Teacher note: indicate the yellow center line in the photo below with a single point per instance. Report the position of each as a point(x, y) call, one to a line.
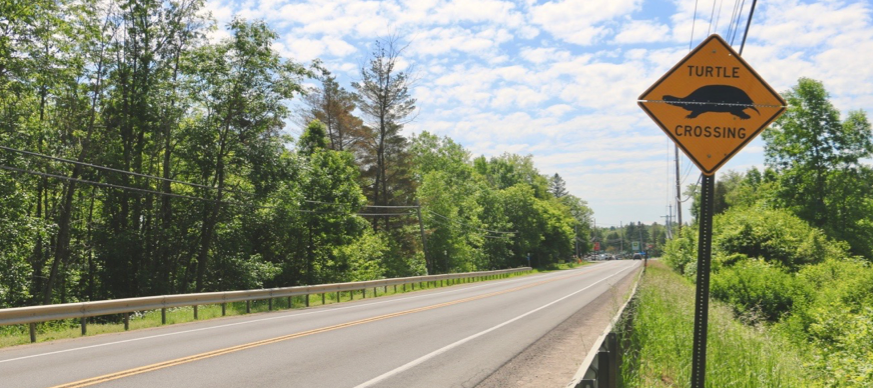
point(232, 349)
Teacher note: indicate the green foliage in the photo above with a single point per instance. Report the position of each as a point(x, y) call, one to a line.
point(772, 235)
point(680, 253)
point(755, 288)
point(209, 196)
point(313, 138)
point(738, 355)
point(362, 258)
point(818, 161)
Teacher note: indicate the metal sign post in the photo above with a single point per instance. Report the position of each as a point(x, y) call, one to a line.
point(701, 299)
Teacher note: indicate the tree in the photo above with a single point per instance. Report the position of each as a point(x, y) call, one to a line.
point(557, 186)
point(814, 153)
point(240, 86)
point(332, 196)
point(333, 106)
point(383, 96)
point(508, 170)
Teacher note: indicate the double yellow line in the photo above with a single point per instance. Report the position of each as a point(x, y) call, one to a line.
point(232, 349)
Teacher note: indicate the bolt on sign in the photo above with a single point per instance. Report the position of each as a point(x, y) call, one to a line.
point(712, 103)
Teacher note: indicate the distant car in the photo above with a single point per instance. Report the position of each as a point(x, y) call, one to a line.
point(638, 256)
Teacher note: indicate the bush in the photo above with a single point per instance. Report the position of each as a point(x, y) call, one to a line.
point(773, 235)
point(755, 289)
point(682, 250)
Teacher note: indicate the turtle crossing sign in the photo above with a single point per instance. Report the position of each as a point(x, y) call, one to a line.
point(712, 103)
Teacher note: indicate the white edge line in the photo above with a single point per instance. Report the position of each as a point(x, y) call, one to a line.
point(446, 348)
point(248, 322)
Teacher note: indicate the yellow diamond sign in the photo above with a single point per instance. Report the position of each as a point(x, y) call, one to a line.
point(712, 103)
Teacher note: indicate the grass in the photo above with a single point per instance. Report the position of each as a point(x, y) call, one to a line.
point(661, 337)
point(561, 266)
point(49, 331)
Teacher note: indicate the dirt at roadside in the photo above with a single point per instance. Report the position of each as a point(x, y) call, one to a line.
point(554, 359)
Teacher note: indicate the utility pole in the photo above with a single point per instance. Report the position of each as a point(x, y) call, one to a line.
point(669, 227)
point(620, 236)
point(640, 229)
point(423, 241)
point(678, 190)
point(576, 239)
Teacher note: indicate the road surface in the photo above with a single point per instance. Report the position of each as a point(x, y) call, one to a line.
point(447, 337)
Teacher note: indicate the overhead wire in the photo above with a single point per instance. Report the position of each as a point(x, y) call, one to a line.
point(693, 22)
point(466, 224)
point(448, 222)
point(718, 15)
point(711, 16)
point(732, 23)
point(99, 167)
point(737, 25)
point(105, 168)
point(695, 184)
point(160, 193)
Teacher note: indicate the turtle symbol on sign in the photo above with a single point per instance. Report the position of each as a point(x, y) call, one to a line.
point(714, 98)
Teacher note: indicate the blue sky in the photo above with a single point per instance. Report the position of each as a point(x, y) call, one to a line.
point(559, 79)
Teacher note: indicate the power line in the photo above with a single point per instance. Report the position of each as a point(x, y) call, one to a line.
point(104, 184)
point(693, 22)
point(711, 15)
point(748, 24)
point(737, 24)
point(105, 168)
point(695, 184)
point(733, 20)
point(465, 224)
point(718, 17)
point(394, 207)
point(119, 187)
point(99, 167)
point(384, 214)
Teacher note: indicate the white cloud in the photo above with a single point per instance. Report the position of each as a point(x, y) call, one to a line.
point(580, 21)
point(642, 31)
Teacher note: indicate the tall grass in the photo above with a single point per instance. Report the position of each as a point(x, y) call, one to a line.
point(661, 337)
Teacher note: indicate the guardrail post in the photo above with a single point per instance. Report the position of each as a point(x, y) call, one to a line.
point(248, 306)
point(338, 296)
point(375, 292)
point(612, 373)
point(270, 304)
point(223, 309)
point(603, 369)
point(195, 312)
point(84, 325)
point(322, 299)
point(126, 321)
point(163, 316)
point(413, 286)
point(307, 300)
point(32, 332)
point(364, 293)
point(352, 295)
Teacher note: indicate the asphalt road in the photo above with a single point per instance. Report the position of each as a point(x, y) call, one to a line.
point(447, 337)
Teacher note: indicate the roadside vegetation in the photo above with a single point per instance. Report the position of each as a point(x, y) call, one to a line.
point(738, 355)
point(139, 156)
point(791, 255)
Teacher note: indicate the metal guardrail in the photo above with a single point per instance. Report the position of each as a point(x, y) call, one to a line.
point(82, 310)
point(600, 369)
